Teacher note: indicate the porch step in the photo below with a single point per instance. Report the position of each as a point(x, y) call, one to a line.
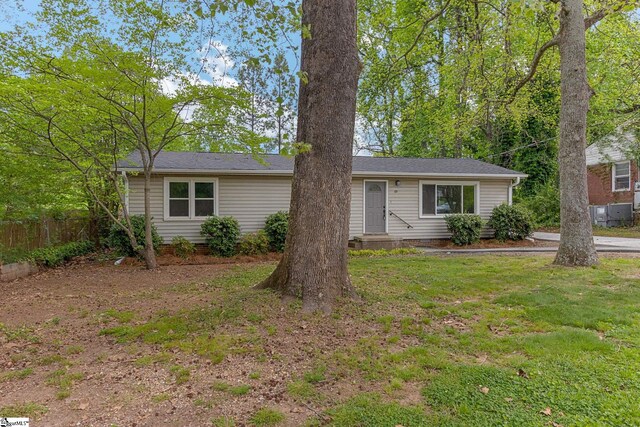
point(376, 241)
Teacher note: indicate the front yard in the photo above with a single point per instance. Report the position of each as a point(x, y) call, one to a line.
point(469, 341)
point(626, 232)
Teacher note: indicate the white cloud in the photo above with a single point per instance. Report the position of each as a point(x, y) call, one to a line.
point(171, 84)
point(215, 67)
point(217, 64)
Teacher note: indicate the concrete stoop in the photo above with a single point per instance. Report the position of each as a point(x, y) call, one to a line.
point(376, 241)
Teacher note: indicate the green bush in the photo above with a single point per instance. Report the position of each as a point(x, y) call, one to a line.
point(465, 228)
point(221, 234)
point(276, 227)
point(511, 222)
point(10, 255)
point(58, 255)
point(544, 205)
point(182, 247)
point(119, 240)
point(254, 243)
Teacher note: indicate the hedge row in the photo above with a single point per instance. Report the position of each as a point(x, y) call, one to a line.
point(510, 222)
point(58, 255)
point(222, 235)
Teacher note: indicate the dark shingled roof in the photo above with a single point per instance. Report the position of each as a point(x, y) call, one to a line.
point(186, 162)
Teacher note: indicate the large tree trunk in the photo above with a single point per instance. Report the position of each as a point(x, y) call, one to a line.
point(576, 235)
point(149, 253)
point(314, 264)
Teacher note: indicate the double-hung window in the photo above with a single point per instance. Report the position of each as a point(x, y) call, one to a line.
point(448, 198)
point(621, 176)
point(189, 198)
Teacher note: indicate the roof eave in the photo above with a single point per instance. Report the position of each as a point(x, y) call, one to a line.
point(355, 173)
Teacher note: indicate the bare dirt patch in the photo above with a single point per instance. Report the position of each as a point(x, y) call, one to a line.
point(202, 259)
point(54, 354)
point(53, 320)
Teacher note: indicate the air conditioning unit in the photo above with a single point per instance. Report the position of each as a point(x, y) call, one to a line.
point(611, 215)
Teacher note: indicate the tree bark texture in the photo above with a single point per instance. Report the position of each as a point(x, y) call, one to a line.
point(314, 263)
point(576, 234)
point(148, 251)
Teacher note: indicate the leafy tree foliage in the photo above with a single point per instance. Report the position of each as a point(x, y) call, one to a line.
point(455, 78)
point(90, 82)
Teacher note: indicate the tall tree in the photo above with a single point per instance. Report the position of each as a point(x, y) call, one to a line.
point(576, 235)
point(314, 264)
point(94, 81)
point(282, 108)
point(252, 78)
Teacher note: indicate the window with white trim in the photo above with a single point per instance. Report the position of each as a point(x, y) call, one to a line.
point(447, 198)
point(179, 199)
point(621, 176)
point(204, 202)
point(189, 198)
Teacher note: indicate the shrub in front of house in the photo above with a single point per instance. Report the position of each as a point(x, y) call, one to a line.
point(464, 228)
point(182, 247)
point(276, 227)
point(119, 240)
point(221, 234)
point(254, 243)
point(513, 222)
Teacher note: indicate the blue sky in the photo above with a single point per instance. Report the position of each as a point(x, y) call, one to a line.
point(19, 12)
point(16, 12)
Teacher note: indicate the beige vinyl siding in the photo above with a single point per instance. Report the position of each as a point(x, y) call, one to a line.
point(247, 198)
point(404, 201)
point(357, 203)
point(251, 199)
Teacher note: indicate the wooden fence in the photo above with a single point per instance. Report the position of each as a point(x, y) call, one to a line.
point(44, 232)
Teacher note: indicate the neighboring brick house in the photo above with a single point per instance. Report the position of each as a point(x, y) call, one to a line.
point(612, 172)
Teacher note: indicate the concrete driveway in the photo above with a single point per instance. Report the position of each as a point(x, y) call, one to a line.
point(624, 243)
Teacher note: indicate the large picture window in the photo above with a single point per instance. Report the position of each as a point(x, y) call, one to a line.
point(622, 176)
point(189, 198)
point(447, 198)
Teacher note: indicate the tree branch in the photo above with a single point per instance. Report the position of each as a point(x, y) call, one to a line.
point(425, 24)
point(589, 21)
point(534, 67)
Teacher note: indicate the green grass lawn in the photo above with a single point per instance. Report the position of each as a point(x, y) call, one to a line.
point(632, 232)
point(448, 341)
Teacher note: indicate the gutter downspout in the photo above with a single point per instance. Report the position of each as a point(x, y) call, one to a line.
point(511, 187)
